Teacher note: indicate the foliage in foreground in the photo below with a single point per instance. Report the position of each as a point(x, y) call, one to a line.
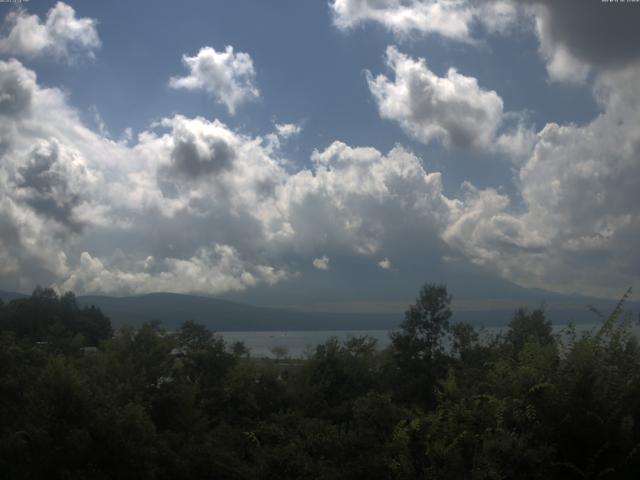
point(438, 403)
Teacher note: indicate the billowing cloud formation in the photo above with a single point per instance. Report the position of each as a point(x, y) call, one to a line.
point(67, 190)
point(191, 204)
point(579, 189)
point(561, 63)
point(50, 185)
point(605, 37)
point(211, 270)
point(194, 206)
point(201, 149)
point(62, 34)
point(357, 199)
point(453, 19)
point(227, 76)
point(453, 109)
point(17, 85)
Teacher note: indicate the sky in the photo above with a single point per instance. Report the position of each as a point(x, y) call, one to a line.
point(320, 153)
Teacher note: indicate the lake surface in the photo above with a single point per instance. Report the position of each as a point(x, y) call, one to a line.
point(300, 343)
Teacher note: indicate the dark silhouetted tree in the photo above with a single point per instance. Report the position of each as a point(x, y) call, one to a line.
point(418, 345)
point(527, 326)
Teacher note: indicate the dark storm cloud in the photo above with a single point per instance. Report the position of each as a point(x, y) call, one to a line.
point(47, 189)
point(193, 162)
point(601, 33)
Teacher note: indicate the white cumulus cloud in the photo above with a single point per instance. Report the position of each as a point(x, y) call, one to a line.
point(452, 19)
point(581, 204)
point(569, 48)
point(214, 270)
point(227, 76)
point(321, 263)
point(190, 203)
point(561, 64)
point(385, 264)
point(286, 130)
point(61, 35)
point(194, 205)
point(69, 195)
point(452, 108)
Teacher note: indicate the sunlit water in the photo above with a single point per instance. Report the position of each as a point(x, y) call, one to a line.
point(298, 344)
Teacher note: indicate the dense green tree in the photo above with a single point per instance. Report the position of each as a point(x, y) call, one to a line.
point(47, 317)
point(418, 345)
point(526, 326)
point(425, 324)
point(438, 403)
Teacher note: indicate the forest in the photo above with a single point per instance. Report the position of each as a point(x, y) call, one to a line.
point(81, 401)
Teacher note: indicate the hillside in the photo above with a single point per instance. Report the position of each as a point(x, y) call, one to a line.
point(223, 315)
point(173, 309)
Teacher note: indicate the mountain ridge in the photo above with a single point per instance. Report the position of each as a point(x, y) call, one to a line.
point(172, 309)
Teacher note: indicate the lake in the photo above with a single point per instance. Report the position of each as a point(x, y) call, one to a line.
point(300, 343)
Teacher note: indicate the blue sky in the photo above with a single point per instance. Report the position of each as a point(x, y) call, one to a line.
point(477, 143)
point(308, 72)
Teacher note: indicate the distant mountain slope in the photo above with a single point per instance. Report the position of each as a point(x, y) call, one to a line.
point(222, 315)
point(8, 296)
